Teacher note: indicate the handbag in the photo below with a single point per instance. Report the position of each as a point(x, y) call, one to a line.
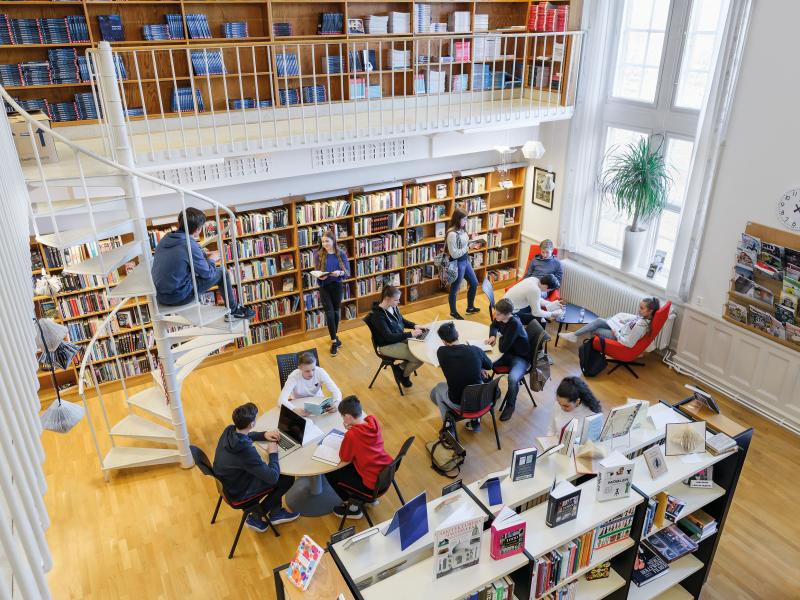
point(448, 268)
point(447, 455)
point(593, 362)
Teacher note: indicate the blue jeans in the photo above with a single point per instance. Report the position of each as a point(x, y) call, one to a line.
point(598, 327)
point(203, 285)
point(464, 271)
point(518, 367)
point(273, 500)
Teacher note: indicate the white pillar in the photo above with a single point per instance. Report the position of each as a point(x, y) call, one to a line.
point(24, 556)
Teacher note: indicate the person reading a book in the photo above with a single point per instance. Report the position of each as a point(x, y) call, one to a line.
point(527, 298)
point(390, 335)
point(574, 400)
point(514, 345)
point(545, 263)
point(332, 261)
point(244, 474)
point(172, 268)
point(458, 249)
point(462, 365)
point(362, 447)
point(307, 381)
point(625, 328)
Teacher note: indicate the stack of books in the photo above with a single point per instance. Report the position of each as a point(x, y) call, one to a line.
point(481, 22)
point(36, 72)
point(332, 64)
point(240, 103)
point(87, 109)
point(83, 69)
point(6, 38)
point(545, 16)
point(362, 60)
point(487, 48)
point(36, 104)
point(481, 77)
point(197, 24)
point(288, 97)
point(286, 64)
point(64, 65)
point(64, 111)
point(313, 94)
point(399, 22)
point(422, 18)
point(111, 28)
point(11, 75)
point(182, 100)
point(720, 443)
point(357, 88)
point(438, 28)
point(119, 67)
point(134, 112)
point(282, 29)
point(330, 23)
point(399, 59)
point(207, 62)
point(699, 525)
point(461, 51)
point(378, 25)
point(459, 82)
point(54, 31)
point(419, 83)
point(459, 21)
point(236, 29)
point(77, 28)
point(436, 81)
point(26, 31)
point(156, 32)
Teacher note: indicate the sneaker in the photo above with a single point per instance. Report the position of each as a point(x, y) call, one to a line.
point(338, 342)
point(473, 425)
point(241, 312)
point(406, 381)
point(374, 502)
point(398, 373)
point(256, 523)
point(281, 515)
point(456, 316)
point(569, 336)
point(350, 510)
point(334, 349)
point(473, 310)
point(507, 412)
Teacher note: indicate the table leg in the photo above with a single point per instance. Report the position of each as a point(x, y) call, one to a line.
point(560, 327)
point(316, 485)
point(312, 496)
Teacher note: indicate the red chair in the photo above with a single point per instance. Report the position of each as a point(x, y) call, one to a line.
point(533, 253)
point(622, 356)
point(476, 401)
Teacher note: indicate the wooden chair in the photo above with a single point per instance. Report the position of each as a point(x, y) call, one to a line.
point(288, 363)
point(476, 401)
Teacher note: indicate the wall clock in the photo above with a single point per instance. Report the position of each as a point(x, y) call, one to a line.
point(789, 209)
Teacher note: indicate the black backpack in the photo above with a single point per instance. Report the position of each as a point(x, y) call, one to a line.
point(593, 362)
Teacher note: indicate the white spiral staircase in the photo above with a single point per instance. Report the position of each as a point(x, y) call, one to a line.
point(154, 430)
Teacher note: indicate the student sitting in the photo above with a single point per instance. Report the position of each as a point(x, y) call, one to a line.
point(526, 296)
point(462, 365)
point(625, 328)
point(388, 327)
point(244, 474)
point(574, 400)
point(363, 448)
point(515, 347)
point(172, 268)
point(545, 263)
point(306, 381)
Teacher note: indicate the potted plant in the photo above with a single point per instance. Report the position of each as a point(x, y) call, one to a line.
point(636, 181)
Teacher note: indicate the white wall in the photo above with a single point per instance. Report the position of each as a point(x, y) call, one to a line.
point(761, 158)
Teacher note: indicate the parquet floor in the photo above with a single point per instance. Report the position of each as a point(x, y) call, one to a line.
point(146, 535)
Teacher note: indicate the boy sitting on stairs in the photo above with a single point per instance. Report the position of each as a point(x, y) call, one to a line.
point(172, 272)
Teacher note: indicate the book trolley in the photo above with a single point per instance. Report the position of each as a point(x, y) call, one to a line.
point(375, 568)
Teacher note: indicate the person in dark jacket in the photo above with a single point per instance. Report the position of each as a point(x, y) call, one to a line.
point(545, 263)
point(172, 271)
point(244, 474)
point(389, 328)
point(515, 346)
point(462, 365)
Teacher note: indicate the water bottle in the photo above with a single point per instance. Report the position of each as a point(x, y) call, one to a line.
point(583, 314)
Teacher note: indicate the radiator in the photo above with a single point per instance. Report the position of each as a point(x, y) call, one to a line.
point(605, 296)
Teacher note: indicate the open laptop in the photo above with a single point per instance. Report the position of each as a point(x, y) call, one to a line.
point(429, 329)
point(292, 428)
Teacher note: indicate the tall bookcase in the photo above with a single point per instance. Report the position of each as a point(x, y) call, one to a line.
point(262, 78)
point(391, 234)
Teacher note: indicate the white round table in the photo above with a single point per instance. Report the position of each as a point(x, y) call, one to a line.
point(425, 350)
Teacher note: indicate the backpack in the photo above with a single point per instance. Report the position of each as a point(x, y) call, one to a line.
point(593, 362)
point(448, 269)
point(447, 455)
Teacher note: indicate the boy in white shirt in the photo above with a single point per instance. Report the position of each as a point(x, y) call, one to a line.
point(526, 296)
point(306, 381)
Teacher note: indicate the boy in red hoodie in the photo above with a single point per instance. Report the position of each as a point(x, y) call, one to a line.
point(363, 448)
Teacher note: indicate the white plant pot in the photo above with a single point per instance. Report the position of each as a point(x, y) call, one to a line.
point(632, 249)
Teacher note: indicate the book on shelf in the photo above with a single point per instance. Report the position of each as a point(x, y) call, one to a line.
point(720, 443)
point(588, 457)
point(501, 589)
point(699, 525)
point(562, 504)
point(671, 543)
point(591, 428)
point(654, 459)
point(411, 520)
point(507, 535)
point(111, 28)
point(704, 478)
point(674, 508)
point(457, 542)
point(614, 477)
point(523, 463)
point(305, 562)
point(648, 566)
point(619, 421)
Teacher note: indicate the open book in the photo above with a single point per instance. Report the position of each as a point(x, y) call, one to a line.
point(328, 449)
point(479, 344)
point(319, 273)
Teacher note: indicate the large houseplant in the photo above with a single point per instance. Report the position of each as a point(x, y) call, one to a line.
point(636, 181)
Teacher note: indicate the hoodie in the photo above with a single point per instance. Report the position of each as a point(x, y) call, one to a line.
point(171, 272)
point(363, 446)
point(237, 463)
point(388, 326)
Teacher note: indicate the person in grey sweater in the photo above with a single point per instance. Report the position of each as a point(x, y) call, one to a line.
point(458, 249)
point(545, 263)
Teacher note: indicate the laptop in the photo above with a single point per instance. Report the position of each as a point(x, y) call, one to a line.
point(426, 331)
point(292, 428)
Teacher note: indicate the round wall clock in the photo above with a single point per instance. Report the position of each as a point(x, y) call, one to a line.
point(789, 209)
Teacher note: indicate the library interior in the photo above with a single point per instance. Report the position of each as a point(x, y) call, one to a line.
point(363, 300)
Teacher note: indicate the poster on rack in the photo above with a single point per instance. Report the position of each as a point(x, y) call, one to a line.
point(457, 543)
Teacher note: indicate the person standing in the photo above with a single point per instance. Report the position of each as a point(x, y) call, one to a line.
point(332, 259)
point(515, 346)
point(458, 249)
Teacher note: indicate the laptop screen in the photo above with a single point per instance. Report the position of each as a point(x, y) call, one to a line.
point(291, 424)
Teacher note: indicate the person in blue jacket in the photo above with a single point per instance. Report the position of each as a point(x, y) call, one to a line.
point(172, 272)
point(243, 473)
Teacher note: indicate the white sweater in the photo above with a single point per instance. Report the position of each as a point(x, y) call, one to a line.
point(562, 417)
point(628, 328)
point(527, 293)
point(298, 386)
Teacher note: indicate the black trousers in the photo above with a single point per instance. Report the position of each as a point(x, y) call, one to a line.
point(331, 296)
point(276, 492)
point(347, 482)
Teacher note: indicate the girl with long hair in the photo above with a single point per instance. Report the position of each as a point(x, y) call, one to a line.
point(574, 400)
point(332, 259)
point(625, 328)
point(458, 249)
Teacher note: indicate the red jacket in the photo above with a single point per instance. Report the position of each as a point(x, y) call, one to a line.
point(363, 446)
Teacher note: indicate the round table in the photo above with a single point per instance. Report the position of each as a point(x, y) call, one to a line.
point(425, 350)
point(311, 495)
point(572, 316)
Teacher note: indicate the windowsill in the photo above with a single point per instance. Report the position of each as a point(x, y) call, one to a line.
point(609, 264)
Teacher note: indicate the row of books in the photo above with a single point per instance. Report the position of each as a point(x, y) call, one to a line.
point(58, 30)
point(383, 200)
point(308, 259)
point(311, 300)
point(254, 292)
point(255, 222)
point(288, 96)
point(496, 275)
point(470, 185)
point(314, 93)
point(71, 282)
point(330, 23)
point(128, 367)
point(373, 285)
point(126, 343)
point(321, 211)
point(420, 274)
point(310, 236)
point(504, 218)
point(378, 223)
point(240, 103)
point(63, 66)
point(472, 205)
point(256, 247)
point(426, 214)
point(315, 319)
point(555, 566)
point(84, 304)
point(183, 100)
point(359, 89)
point(423, 254)
point(381, 243)
point(376, 264)
point(259, 269)
point(207, 62)
point(262, 333)
point(547, 16)
point(501, 589)
point(474, 225)
point(496, 256)
point(236, 29)
point(476, 260)
point(274, 309)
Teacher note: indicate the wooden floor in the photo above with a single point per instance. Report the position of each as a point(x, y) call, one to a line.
point(146, 535)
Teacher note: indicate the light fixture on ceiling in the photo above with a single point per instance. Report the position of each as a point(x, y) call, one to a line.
point(533, 150)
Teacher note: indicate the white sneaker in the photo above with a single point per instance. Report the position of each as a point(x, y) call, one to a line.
point(569, 336)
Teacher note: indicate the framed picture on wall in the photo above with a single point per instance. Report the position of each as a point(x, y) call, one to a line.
point(542, 182)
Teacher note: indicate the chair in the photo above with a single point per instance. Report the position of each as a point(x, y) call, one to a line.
point(382, 485)
point(248, 506)
point(533, 251)
point(622, 356)
point(488, 290)
point(537, 338)
point(288, 363)
point(386, 361)
point(476, 401)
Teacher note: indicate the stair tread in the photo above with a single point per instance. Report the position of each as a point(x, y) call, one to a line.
point(42, 208)
point(194, 332)
point(211, 342)
point(107, 261)
point(153, 401)
point(81, 235)
point(137, 282)
point(120, 457)
point(137, 426)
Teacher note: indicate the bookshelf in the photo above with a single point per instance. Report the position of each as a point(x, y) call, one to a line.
point(265, 20)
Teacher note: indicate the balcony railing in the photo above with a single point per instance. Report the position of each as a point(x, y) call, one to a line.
point(228, 99)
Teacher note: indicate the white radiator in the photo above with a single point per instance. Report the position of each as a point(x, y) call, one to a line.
point(605, 296)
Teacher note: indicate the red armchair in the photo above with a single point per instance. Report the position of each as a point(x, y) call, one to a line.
point(622, 356)
point(532, 253)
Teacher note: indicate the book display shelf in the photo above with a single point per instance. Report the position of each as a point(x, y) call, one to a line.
point(44, 65)
point(602, 532)
point(391, 234)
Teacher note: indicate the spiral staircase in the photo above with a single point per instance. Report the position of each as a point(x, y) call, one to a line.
point(96, 203)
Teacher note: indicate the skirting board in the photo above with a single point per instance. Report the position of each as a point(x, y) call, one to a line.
point(749, 368)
